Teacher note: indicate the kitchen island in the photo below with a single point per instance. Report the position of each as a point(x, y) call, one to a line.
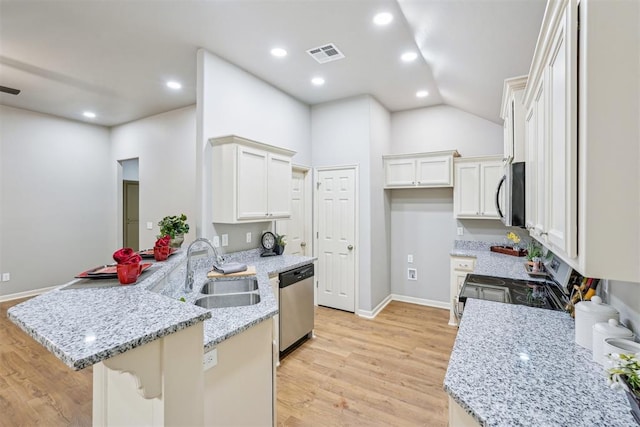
point(144, 329)
point(513, 365)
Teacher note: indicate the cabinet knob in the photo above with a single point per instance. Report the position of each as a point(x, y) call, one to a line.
point(303, 244)
point(350, 247)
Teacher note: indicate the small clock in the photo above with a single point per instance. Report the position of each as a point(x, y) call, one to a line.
point(268, 242)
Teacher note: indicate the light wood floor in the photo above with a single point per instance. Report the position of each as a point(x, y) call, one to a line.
point(387, 371)
point(356, 372)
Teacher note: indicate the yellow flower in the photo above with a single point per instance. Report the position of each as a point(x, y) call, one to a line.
point(513, 237)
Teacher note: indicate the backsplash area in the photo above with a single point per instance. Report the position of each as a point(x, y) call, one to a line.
point(625, 297)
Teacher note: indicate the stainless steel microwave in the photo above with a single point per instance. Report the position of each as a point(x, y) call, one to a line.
point(511, 203)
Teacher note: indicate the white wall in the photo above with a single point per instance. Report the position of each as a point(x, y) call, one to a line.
point(232, 101)
point(444, 128)
point(165, 147)
point(57, 199)
point(625, 297)
point(380, 232)
point(422, 222)
point(355, 131)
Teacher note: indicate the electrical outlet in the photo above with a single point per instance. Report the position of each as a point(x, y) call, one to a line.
point(210, 359)
point(409, 258)
point(249, 237)
point(216, 241)
point(149, 225)
point(225, 240)
point(412, 274)
point(460, 231)
point(6, 277)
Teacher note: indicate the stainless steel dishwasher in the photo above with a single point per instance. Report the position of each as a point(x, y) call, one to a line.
point(296, 306)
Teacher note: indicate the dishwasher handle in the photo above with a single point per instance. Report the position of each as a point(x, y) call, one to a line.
point(296, 275)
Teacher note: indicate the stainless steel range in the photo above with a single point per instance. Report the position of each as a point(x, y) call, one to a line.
point(548, 293)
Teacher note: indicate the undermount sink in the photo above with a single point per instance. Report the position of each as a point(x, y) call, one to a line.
point(229, 286)
point(228, 300)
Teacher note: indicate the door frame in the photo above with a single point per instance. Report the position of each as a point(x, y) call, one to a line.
point(316, 224)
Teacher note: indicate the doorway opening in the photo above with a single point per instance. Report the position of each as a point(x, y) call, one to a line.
point(130, 204)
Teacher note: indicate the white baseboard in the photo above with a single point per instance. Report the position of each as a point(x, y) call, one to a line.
point(422, 301)
point(26, 294)
point(373, 313)
point(402, 298)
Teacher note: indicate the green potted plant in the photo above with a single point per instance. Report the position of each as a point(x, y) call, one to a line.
point(280, 244)
point(174, 226)
point(625, 375)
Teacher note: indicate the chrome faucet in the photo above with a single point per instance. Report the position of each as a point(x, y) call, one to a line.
point(188, 280)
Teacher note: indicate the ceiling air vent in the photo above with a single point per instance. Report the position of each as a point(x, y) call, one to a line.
point(326, 53)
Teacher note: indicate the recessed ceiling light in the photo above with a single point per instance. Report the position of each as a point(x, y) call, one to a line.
point(89, 114)
point(174, 85)
point(383, 18)
point(318, 81)
point(422, 94)
point(409, 56)
point(278, 52)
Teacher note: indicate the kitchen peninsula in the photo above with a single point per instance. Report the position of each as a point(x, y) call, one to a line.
point(144, 329)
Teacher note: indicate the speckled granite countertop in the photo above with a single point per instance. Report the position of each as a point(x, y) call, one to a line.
point(492, 263)
point(85, 326)
point(514, 365)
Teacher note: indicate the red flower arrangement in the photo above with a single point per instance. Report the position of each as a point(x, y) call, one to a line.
point(162, 250)
point(128, 265)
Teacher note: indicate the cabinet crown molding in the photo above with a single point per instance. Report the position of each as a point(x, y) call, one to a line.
point(511, 85)
point(453, 153)
point(492, 158)
point(234, 139)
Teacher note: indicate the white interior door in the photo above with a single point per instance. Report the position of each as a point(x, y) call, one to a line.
point(297, 227)
point(336, 238)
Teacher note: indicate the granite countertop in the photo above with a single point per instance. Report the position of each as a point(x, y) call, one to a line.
point(514, 365)
point(86, 321)
point(492, 263)
point(226, 322)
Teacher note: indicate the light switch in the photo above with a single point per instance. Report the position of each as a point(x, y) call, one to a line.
point(225, 240)
point(6, 277)
point(149, 225)
point(409, 258)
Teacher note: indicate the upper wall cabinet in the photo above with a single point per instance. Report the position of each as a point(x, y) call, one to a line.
point(476, 180)
point(419, 170)
point(512, 112)
point(582, 140)
point(251, 181)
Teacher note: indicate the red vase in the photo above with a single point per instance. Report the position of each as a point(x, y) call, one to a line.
point(128, 273)
point(161, 253)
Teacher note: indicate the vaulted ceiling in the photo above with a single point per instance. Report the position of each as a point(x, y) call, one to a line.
point(114, 57)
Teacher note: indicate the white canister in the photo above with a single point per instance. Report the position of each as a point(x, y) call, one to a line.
point(601, 331)
point(588, 313)
point(620, 346)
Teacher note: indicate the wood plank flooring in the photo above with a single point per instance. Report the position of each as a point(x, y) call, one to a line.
point(356, 372)
point(36, 388)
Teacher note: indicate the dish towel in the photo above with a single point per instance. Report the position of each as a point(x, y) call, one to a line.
point(230, 267)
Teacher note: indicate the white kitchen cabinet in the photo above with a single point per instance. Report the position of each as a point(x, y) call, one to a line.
point(513, 114)
point(460, 267)
point(586, 133)
point(251, 181)
point(551, 102)
point(476, 182)
point(242, 376)
point(419, 170)
point(275, 287)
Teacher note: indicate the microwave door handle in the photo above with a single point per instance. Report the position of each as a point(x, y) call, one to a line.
point(504, 177)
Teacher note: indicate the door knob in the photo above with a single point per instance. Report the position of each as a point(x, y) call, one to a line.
point(350, 247)
point(303, 244)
